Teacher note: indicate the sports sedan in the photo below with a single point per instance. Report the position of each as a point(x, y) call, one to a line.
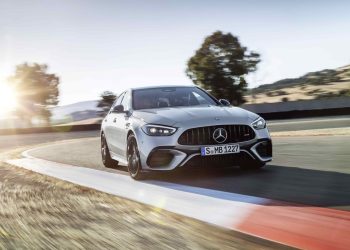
point(168, 127)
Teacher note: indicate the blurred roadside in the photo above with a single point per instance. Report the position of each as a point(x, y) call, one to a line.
point(330, 125)
point(315, 94)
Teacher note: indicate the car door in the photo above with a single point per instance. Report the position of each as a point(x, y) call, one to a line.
point(121, 125)
point(110, 121)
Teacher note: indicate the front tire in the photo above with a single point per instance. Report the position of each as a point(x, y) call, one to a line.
point(107, 160)
point(134, 161)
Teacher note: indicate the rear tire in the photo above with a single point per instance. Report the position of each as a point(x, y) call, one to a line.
point(107, 160)
point(134, 160)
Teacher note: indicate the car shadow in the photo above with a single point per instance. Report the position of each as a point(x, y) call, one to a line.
point(289, 184)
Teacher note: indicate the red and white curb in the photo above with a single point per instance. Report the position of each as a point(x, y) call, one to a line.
point(295, 225)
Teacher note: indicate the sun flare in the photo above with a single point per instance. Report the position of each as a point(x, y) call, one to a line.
point(8, 99)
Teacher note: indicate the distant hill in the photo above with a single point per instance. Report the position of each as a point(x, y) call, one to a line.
point(314, 85)
point(75, 112)
point(85, 112)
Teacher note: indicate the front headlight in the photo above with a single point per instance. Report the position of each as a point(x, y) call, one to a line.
point(158, 130)
point(259, 123)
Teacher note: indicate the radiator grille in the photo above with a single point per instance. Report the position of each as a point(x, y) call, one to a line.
point(204, 135)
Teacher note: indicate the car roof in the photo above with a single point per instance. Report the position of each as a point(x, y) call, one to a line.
point(163, 86)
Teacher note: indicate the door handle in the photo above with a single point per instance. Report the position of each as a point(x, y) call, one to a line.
point(115, 120)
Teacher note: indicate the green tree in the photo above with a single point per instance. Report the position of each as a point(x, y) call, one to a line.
point(107, 98)
point(221, 64)
point(37, 91)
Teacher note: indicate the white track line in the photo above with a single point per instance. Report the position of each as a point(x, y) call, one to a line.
point(203, 204)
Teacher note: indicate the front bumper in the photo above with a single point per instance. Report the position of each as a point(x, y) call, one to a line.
point(164, 152)
point(168, 158)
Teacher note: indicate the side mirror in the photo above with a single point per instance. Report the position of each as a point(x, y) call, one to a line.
point(118, 109)
point(224, 102)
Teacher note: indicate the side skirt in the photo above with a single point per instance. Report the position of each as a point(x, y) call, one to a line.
point(118, 158)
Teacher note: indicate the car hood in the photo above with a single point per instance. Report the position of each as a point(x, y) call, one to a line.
point(196, 116)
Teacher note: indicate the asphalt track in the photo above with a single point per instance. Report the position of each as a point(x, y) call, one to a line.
point(310, 170)
point(8, 142)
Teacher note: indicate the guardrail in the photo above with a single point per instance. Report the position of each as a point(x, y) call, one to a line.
point(302, 108)
point(305, 113)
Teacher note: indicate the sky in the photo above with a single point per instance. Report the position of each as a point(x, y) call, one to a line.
point(113, 45)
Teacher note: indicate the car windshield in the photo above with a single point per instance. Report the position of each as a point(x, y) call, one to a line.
point(171, 97)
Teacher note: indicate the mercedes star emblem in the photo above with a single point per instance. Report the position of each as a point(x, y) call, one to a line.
point(220, 135)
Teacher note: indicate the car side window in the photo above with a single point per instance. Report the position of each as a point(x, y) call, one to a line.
point(199, 98)
point(126, 101)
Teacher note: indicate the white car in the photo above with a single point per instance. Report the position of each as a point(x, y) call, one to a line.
point(167, 127)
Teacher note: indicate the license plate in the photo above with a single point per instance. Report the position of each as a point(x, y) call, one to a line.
point(220, 150)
